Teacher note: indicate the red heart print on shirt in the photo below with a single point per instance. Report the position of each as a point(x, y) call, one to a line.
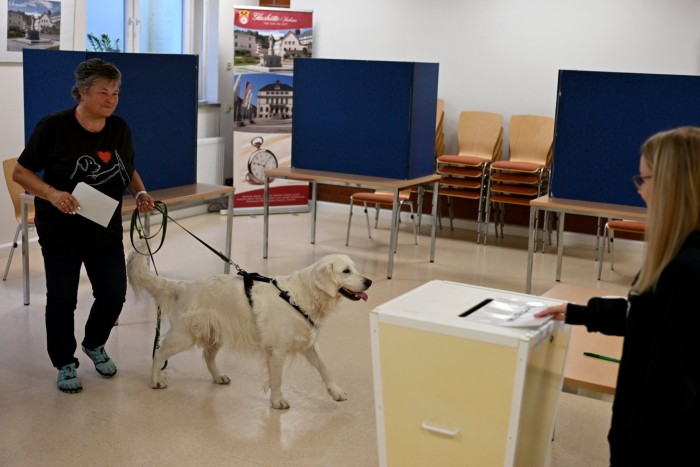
point(105, 156)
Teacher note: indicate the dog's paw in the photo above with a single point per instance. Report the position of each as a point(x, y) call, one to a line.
point(279, 403)
point(222, 379)
point(159, 384)
point(336, 393)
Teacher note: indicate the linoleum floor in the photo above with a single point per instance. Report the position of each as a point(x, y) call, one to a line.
point(123, 422)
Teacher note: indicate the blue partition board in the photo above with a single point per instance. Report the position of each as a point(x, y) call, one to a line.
point(602, 120)
point(158, 99)
point(365, 117)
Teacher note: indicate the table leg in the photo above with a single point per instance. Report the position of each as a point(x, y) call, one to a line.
point(229, 228)
point(560, 246)
point(266, 213)
point(597, 238)
point(530, 248)
point(314, 195)
point(433, 228)
point(25, 252)
point(394, 233)
point(419, 206)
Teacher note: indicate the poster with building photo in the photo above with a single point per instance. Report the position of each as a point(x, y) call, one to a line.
point(266, 43)
point(35, 24)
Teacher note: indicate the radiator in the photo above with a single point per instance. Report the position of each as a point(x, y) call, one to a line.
point(210, 160)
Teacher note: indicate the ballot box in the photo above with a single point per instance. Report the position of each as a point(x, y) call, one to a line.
point(461, 382)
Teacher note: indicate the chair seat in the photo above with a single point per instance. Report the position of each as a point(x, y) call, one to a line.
point(460, 193)
point(382, 198)
point(460, 183)
point(472, 160)
point(521, 200)
point(459, 171)
point(520, 190)
point(518, 166)
point(510, 177)
point(627, 226)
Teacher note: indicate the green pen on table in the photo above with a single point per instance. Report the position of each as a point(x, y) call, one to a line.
point(602, 357)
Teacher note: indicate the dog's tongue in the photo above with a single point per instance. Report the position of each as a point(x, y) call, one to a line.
point(362, 295)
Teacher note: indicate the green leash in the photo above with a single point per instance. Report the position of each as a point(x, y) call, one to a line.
point(137, 225)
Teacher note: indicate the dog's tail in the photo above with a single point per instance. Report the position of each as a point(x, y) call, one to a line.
point(141, 277)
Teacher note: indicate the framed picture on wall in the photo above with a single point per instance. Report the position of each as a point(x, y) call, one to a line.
point(35, 24)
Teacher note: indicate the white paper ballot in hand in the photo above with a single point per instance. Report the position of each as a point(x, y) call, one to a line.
point(509, 312)
point(94, 204)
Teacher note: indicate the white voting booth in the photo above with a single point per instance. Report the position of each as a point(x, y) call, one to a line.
point(465, 376)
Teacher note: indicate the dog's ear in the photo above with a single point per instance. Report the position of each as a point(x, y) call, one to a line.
point(324, 279)
point(83, 163)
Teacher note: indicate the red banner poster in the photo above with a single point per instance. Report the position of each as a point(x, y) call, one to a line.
point(266, 43)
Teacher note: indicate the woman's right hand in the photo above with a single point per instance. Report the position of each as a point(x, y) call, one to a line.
point(556, 312)
point(63, 201)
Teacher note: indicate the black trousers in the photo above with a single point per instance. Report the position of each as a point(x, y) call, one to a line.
point(106, 269)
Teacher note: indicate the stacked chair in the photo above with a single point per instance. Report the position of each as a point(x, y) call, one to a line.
point(525, 175)
point(440, 129)
point(465, 175)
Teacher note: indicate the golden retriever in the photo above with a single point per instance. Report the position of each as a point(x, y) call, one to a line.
point(215, 311)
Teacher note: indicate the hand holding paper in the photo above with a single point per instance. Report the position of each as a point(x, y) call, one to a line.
point(94, 204)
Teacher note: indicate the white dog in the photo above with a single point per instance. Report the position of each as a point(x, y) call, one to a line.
point(277, 318)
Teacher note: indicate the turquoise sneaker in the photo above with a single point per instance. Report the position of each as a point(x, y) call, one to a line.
point(103, 364)
point(68, 380)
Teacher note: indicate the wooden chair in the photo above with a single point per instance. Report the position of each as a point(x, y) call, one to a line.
point(439, 149)
point(440, 128)
point(619, 225)
point(525, 175)
point(381, 199)
point(15, 190)
point(480, 137)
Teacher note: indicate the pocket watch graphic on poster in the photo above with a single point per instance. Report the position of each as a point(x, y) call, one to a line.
point(260, 160)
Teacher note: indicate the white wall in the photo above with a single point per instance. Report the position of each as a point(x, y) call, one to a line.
point(495, 55)
point(503, 55)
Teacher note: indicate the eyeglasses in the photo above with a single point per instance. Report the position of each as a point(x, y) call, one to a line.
point(639, 180)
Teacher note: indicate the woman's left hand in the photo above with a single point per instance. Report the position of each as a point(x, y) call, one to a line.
point(144, 203)
point(557, 312)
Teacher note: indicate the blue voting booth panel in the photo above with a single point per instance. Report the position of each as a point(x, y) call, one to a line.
point(158, 99)
point(602, 120)
point(365, 117)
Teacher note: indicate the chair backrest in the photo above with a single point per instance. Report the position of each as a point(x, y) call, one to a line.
point(439, 128)
point(480, 134)
point(14, 188)
point(440, 112)
point(530, 139)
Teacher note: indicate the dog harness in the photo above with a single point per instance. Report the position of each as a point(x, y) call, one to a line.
point(250, 277)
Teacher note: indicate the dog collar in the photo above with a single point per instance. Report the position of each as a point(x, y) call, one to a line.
point(250, 277)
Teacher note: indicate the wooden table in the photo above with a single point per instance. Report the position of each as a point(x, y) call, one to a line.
point(315, 177)
point(171, 196)
point(580, 371)
point(570, 206)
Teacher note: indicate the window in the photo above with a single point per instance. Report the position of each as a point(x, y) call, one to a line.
point(159, 26)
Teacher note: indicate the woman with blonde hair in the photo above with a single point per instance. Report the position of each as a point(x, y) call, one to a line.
point(656, 411)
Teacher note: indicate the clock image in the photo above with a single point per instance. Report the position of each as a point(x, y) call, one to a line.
point(260, 160)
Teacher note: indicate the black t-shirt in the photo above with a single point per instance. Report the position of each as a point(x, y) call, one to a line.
point(68, 154)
